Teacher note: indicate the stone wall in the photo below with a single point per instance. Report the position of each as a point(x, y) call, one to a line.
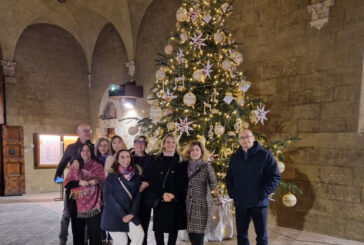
point(51, 94)
point(311, 81)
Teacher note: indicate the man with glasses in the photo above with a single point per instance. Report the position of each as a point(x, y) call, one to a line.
point(71, 154)
point(251, 178)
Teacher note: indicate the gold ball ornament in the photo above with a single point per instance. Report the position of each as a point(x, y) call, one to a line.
point(133, 130)
point(281, 166)
point(226, 65)
point(151, 99)
point(240, 101)
point(168, 49)
point(181, 15)
point(189, 99)
point(171, 126)
point(160, 75)
point(219, 129)
point(198, 75)
point(289, 200)
point(219, 37)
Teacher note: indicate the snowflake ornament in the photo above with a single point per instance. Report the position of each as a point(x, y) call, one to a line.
point(198, 41)
point(183, 126)
point(207, 69)
point(260, 114)
point(168, 96)
point(180, 56)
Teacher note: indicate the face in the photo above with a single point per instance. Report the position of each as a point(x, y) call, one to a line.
point(84, 133)
point(85, 153)
point(195, 152)
point(116, 144)
point(170, 145)
point(103, 147)
point(140, 145)
point(124, 159)
point(246, 139)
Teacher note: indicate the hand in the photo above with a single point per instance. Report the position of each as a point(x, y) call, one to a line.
point(83, 183)
point(168, 197)
point(76, 165)
point(92, 182)
point(127, 218)
point(143, 185)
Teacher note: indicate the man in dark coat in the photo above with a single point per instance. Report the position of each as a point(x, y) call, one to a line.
point(251, 177)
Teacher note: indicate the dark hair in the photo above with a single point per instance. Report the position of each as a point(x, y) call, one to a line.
point(115, 164)
point(98, 142)
point(93, 158)
point(112, 151)
point(143, 137)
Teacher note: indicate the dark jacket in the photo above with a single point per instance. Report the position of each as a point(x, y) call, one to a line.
point(118, 204)
point(251, 177)
point(169, 216)
point(70, 154)
point(145, 162)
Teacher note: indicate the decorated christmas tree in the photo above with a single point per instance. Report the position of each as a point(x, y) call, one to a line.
point(199, 92)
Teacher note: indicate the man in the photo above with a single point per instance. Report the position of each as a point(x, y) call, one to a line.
point(251, 177)
point(70, 154)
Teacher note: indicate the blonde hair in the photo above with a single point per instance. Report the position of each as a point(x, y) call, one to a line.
point(97, 143)
point(204, 152)
point(163, 143)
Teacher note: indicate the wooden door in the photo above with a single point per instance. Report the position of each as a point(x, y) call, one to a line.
point(13, 160)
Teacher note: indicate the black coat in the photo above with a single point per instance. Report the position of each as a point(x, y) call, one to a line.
point(118, 204)
point(171, 216)
point(251, 177)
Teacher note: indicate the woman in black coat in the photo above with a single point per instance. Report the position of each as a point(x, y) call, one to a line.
point(169, 182)
point(121, 201)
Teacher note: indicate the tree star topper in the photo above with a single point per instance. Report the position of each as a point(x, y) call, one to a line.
point(260, 114)
point(198, 41)
point(183, 126)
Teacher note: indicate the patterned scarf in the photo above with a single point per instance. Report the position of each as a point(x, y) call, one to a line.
point(127, 173)
point(193, 166)
point(88, 198)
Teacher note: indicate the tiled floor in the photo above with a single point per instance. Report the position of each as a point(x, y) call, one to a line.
point(35, 219)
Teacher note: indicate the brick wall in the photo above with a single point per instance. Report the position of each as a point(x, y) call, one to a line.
point(311, 82)
point(50, 95)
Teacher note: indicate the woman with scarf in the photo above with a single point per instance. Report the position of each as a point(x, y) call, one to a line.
point(116, 144)
point(169, 183)
point(102, 149)
point(84, 196)
point(201, 180)
point(121, 201)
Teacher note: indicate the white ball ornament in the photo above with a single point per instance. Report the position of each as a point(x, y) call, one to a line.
point(181, 15)
point(240, 101)
point(237, 57)
point(133, 130)
point(160, 75)
point(189, 99)
point(289, 200)
point(168, 49)
point(156, 113)
point(219, 37)
point(281, 166)
point(226, 65)
point(219, 129)
point(170, 126)
point(183, 37)
point(198, 75)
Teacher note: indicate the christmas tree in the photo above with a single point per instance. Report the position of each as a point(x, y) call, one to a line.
point(199, 93)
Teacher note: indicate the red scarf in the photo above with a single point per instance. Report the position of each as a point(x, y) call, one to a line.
point(88, 198)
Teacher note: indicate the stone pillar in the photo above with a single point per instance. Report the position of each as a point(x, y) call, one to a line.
point(9, 71)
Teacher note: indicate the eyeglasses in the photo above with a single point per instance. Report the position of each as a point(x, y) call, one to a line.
point(139, 142)
point(245, 137)
point(86, 130)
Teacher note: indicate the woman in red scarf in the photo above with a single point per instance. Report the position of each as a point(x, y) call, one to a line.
point(84, 185)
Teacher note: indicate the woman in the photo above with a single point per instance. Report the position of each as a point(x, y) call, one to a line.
point(121, 201)
point(84, 185)
point(169, 182)
point(201, 180)
point(145, 161)
point(102, 149)
point(116, 144)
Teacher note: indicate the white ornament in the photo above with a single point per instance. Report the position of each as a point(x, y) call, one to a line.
point(237, 57)
point(168, 96)
point(211, 132)
point(237, 125)
point(180, 56)
point(183, 37)
point(171, 126)
point(226, 64)
point(189, 99)
point(181, 15)
point(207, 69)
point(226, 6)
point(281, 166)
point(198, 75)
point(231, 133)
point(160, 75)
point(219, 37)
point(156, 113)
point(168, 49)
point(289, 200)
point(228, 98)
point(219, 129)
point(193, 13)
point(207, 18)
point(133, 130)
point(240, 101)
point(198, 41)
point(244, 86)
point(151, 99)
point(260, 114)
point(183, 126)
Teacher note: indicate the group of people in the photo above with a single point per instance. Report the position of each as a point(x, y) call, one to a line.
point(110, 190)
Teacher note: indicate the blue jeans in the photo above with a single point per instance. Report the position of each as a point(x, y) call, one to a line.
point(64, 222)
point(259, 217)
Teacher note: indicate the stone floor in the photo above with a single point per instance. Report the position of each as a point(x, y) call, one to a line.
point(35, 220)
